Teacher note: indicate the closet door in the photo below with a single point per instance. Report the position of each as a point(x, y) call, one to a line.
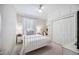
point(0, 23)
point(64, 31)
point(70, 31)
point(0, 31)
point(58, 31)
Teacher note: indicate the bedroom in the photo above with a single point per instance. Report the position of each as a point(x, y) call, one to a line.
point(39, 29)
point(33, 30)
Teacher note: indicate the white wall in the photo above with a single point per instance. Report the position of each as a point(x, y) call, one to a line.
point(55, 11)
point(56, 29)
point(8, 31)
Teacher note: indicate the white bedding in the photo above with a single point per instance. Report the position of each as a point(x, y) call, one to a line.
point(33, 42)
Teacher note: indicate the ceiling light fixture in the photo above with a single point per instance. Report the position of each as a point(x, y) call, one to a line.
point(41, 7)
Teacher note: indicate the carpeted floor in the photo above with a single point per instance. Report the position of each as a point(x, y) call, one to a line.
point(52, 49)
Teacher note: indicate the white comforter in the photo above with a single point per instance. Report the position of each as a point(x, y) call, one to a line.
point(33, 42)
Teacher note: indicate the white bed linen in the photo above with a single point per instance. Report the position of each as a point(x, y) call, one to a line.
point(33, 42)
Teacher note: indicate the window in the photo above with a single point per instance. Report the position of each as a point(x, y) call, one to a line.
point(29, 24)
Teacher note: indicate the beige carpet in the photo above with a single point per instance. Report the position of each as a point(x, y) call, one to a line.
point(52, 49)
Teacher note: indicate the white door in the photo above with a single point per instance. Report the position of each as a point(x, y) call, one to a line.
point(0, 31)
point(64, 31)
point(0, 23)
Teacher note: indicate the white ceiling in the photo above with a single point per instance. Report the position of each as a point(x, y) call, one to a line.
point(50, 11)
point(30, 9)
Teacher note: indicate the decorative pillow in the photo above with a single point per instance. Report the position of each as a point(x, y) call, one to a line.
point(30, 33)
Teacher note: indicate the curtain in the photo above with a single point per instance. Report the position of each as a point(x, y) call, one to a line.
point(29, 24)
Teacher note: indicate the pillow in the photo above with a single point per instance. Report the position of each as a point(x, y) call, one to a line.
point(30, 33)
